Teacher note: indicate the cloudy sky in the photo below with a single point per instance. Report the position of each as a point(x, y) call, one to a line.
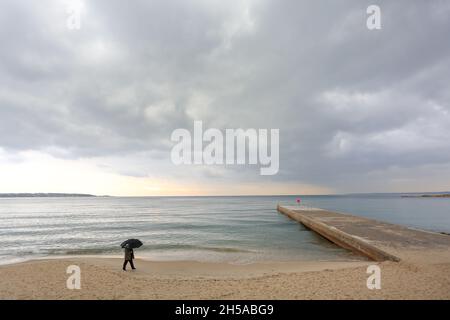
point(92, 110)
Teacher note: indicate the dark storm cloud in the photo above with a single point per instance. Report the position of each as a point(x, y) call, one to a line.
point(350, 103)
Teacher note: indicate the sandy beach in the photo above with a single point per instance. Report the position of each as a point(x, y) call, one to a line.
point(102, 278)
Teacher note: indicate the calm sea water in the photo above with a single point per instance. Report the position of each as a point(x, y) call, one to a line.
point(232, 229)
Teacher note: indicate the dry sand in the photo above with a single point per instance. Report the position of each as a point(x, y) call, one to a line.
point(102, 278)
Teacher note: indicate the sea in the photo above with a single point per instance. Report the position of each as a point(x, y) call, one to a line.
point(234, 229)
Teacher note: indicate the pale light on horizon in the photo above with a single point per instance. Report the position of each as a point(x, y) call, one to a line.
point(38, 172)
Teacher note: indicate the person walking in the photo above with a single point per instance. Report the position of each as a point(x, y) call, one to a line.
point(129, 256)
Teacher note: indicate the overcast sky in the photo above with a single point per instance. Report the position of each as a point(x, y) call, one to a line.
point(92, 110)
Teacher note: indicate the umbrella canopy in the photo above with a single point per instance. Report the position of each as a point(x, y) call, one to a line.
point(131, 243)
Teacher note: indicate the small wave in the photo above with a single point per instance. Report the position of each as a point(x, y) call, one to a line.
point(194, 247)
point(162, 247)
point(85, 251)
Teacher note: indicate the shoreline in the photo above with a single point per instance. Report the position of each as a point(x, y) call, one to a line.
point(193, 268)
point(148, 259)
point(351, 257)
point(102, 278)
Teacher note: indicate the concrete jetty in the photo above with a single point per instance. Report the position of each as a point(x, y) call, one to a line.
point(379, 241)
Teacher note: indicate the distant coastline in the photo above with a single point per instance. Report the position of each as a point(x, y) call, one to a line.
point(43, 195)
point(442, 195)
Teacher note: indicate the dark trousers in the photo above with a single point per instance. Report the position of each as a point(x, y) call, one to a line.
point(125, 264)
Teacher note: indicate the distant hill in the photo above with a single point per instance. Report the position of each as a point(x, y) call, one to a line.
point(43, 195)
point(441, 195)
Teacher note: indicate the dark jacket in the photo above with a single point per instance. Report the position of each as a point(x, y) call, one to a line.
point(129, 254)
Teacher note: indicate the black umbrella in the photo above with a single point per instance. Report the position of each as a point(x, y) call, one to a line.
point(131, 243)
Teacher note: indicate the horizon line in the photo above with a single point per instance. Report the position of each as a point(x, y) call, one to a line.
point(68, 194)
